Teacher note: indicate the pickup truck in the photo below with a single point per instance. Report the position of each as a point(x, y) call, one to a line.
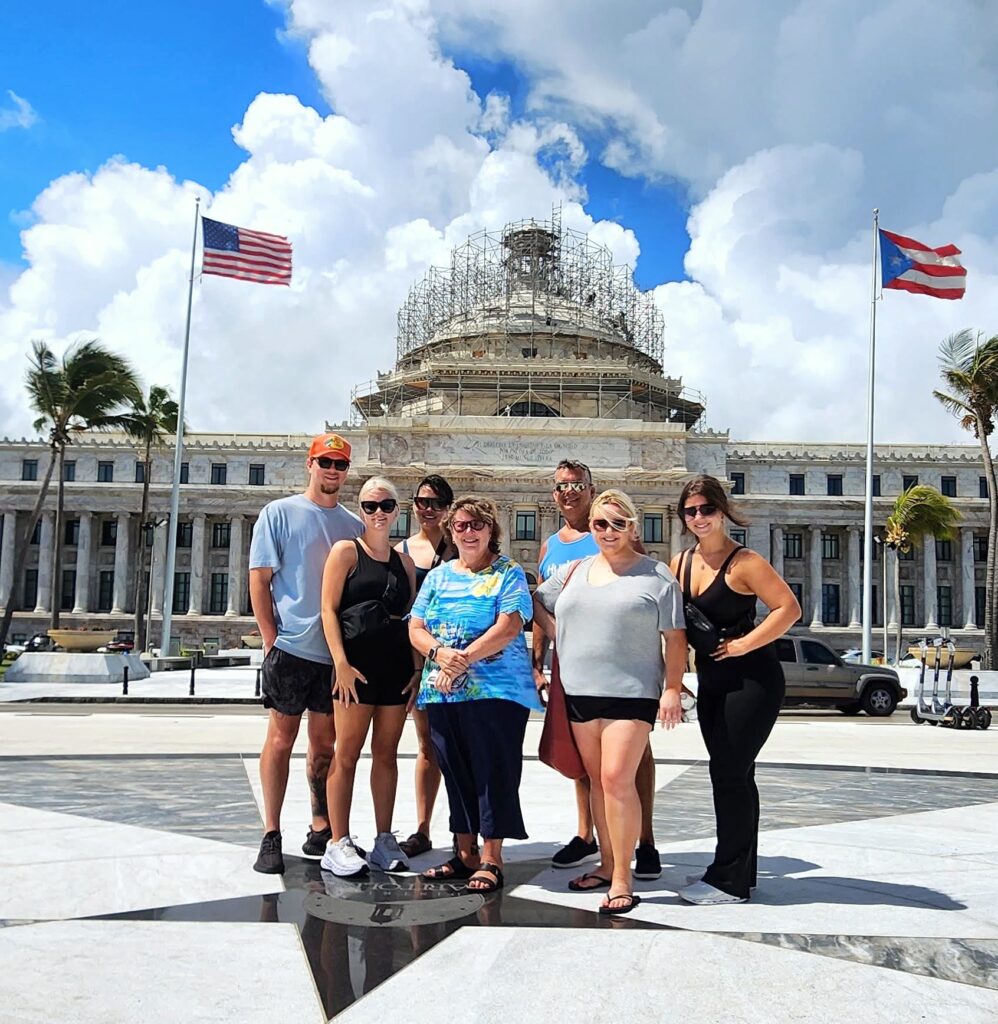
point(818, 677)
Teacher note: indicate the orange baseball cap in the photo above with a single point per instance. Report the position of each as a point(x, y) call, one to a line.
point(331, 445)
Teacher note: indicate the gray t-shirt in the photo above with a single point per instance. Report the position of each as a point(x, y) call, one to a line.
point(609, 637)
point(293, 537)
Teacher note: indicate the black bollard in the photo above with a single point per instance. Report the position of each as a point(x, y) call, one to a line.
point(124, 680)
point(194, 663)
point(256, 690)
point(975, 693)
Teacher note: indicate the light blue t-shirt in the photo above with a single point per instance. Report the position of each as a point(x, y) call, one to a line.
point(457, 608)
point(293, 537)
point(558, 552)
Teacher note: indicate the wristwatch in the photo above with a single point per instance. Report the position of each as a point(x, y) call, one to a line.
point(432, 656)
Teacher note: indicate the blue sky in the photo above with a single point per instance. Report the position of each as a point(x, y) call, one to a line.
point(163, 84)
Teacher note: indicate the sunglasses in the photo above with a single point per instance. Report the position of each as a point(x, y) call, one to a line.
point(619, 525)
point(340, 465)
point(705, 510)
point(576, 486)
point(475, 525)
point(386, 505)
point(426, 503)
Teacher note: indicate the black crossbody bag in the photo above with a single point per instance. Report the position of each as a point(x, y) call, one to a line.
point(369, 617)
point(701, 634)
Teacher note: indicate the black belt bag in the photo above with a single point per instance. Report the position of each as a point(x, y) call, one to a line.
point(701, 633)
point(364, 619)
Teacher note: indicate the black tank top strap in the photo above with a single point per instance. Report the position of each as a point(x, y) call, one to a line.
point(686, 570)
point(728, 560)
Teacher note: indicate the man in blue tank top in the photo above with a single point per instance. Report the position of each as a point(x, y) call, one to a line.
point(573, 494)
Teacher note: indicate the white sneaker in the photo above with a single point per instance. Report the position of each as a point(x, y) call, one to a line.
point(705, 895)
point(341, 858)
point(387, 855)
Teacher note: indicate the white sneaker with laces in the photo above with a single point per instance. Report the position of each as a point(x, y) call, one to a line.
point(705, 895)
point(387, 855)
point(342, 859)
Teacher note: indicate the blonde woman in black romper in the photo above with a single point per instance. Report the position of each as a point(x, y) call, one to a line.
point(741, 684)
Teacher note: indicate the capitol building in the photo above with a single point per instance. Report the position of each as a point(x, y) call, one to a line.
point(531, 347)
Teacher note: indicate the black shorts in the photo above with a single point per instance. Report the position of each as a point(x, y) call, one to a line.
point(292, 685)
point(588, 709)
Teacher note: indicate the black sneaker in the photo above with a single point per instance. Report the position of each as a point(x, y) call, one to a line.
point(577, 852)
point(647, 864)
point(270, 860)
point(315, 843)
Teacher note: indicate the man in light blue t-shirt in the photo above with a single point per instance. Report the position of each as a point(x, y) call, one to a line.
point(291, 541)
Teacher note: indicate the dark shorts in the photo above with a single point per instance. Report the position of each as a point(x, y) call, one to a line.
point(386, 663)
point(589, 709)
point(293, 685)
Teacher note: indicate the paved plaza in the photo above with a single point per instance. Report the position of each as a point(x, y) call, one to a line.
point(128, 891)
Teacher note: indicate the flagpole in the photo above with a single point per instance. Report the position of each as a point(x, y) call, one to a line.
point(178, 459)
point(868, 504)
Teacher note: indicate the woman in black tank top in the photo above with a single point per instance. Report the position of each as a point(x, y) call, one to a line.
point(367, 590)
point(741, 683)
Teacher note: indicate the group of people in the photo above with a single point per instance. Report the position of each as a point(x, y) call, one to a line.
point(359, 633)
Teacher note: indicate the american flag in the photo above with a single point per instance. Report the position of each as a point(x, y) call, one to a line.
point(247, 255)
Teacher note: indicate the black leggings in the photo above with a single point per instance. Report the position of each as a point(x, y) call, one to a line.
point(736, 717)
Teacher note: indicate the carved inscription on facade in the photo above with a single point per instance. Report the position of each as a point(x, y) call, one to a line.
point(489, 450)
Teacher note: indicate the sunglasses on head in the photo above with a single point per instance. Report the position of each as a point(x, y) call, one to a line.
point(475, 525)
point(386, 505)
point(619, 525)
point(705, 510)
point(576, 486)
point(325, 462)
point(427, 503)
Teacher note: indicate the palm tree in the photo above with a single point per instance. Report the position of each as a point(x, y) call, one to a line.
point(90, 388)
point(917, 511)
point(969, 369)
point(154, 418)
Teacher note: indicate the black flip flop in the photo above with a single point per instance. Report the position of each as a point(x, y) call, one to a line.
point(487, 885)
point(416, 844)
point(454, 868)
point(576, 883)
point(626, 909)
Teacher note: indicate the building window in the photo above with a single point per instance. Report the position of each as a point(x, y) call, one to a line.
point(830, 604)
point(108, 532)
point(798, 592)
point(906, 556)
point(105, 472)
point(875, 619)
point(907, 482)
point(185, 472)
point(652, 528)
point(947, 486)
point(833, 482)
point(793, 545)
point(219, 595)
point(402, 526)
point(876, 486)
point(796, 483)
point(220, 533)
point(149, 532)
point(71, 533)
point(526, 526)
point(29, 469)
point(944, 605)
point(256, 471)
point(140, 472)
point(738, 536)
point(105, 590)
point(30, 590)
point(944, 551)
point(69, 471)
point(979, 606)
point(530, 409)
point(981, 548)
point(830, 545)
point(982, 487)
point(36, 533)
point(181, 592)
point(185, 534)
point(218, 471)
point(67, 596)
point(737, 483)
point(907, 604)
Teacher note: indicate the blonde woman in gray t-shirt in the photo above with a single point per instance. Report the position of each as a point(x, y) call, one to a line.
point(617, 619)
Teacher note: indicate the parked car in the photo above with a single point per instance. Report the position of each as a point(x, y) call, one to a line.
point(123, 642)
point(818, 677)
point(854, 655)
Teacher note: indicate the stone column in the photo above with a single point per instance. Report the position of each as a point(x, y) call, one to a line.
point(194, 604)
point(929, 577)
point(675, 533)
point(548, 523)
point(122, 545)
point(156, 576)
point(814, 576)
point(892, 609)
point(758, 538)
point(44, 600)
point(855, 578)
point(236, 570)
point(83, 551)
point(776, 547)
point(7, 557)
point(506, 520)
point(967, 577)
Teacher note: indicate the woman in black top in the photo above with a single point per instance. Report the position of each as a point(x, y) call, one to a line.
point(740, 683)
point(367, 589)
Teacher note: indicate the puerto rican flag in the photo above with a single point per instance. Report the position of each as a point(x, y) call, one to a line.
point(912, 266)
